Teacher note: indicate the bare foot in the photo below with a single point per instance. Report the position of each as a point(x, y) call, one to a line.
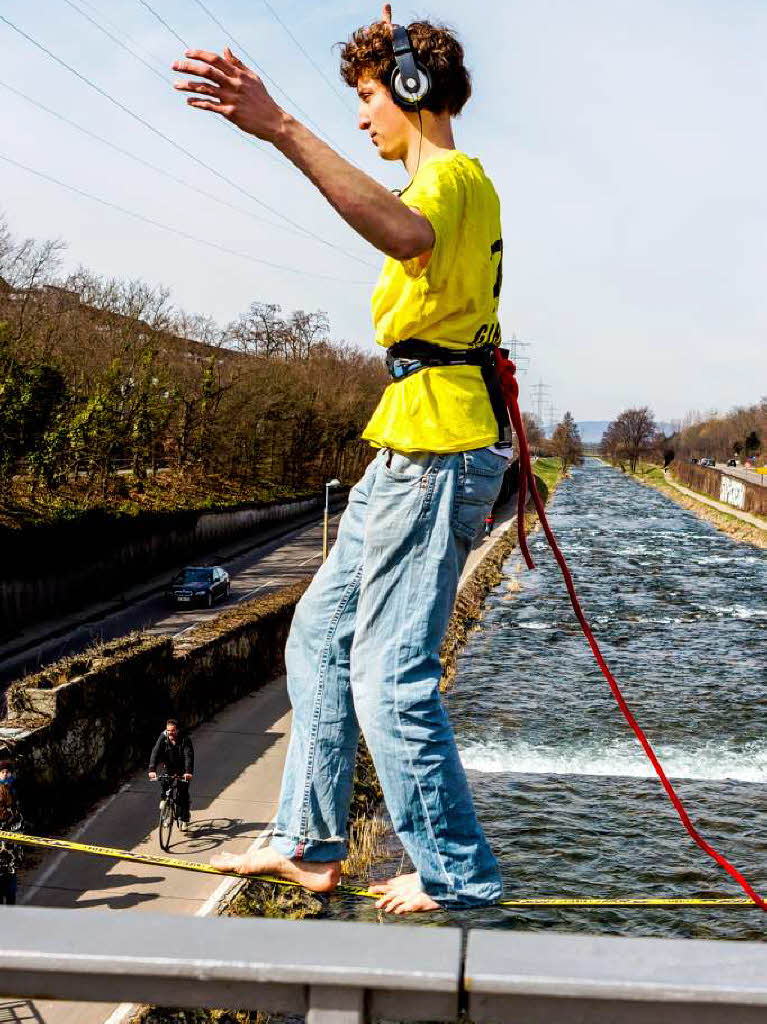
point(403, 895)
point(406, 903)
point(409, 884)
point(318, 877)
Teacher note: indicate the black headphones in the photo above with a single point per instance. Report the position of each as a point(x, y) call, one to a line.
point(410, 81)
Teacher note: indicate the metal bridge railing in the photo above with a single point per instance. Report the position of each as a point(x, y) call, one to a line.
point(336, 973)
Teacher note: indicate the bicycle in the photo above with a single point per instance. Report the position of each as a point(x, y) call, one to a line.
point(169, 814)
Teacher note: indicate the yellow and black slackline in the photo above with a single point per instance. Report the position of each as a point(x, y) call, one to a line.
point(349, 890)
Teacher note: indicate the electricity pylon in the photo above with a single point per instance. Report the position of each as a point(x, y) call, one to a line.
point(516, 351)
point(541, 393)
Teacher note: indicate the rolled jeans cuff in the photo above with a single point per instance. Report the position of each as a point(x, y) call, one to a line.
point(480, 896)
point(321, 851)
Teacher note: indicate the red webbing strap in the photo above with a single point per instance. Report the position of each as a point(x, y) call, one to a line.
point(507, 372)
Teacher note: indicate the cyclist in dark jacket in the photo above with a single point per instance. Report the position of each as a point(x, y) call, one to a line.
point(174, 754)
point(10, 821)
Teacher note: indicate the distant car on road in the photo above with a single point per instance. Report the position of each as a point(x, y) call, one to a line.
point(199, 584)
point(732, 462)
point(707, 462)
point(694, 461)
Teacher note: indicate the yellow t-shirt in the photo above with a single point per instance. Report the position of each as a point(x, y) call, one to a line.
point(452, 301)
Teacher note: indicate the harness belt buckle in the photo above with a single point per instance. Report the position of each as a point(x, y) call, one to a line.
point(399, 367)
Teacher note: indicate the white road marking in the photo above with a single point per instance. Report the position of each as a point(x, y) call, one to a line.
point(250, 593)
point(59, 857)
point(187, 628)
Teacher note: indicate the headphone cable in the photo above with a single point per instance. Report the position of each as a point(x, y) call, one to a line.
point(400, 192)
point(420, 138)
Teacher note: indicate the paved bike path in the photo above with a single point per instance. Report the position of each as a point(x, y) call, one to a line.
point(239, 758)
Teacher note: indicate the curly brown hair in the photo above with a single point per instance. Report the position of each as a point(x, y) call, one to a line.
point(370, 54)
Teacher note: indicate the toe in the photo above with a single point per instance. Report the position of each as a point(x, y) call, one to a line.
point(323, 883)
point(386, 900)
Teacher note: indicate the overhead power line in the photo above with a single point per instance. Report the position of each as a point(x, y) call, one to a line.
point(176, 145)
point(160, 61)
point(308, 56)
point(163, 78)
point(248, 139)
point(164, 23)
point(244, 138)
point(147, 163)
point(245, 53)
point(175, 231)
point(238, 45)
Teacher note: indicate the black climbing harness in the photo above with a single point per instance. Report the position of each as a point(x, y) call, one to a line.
point(412, 355)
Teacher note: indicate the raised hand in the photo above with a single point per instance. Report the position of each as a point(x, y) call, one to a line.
point(234, 91)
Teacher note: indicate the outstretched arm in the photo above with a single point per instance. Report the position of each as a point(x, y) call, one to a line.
point(235, 92)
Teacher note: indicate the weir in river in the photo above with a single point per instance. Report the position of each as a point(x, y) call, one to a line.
point(569, 801)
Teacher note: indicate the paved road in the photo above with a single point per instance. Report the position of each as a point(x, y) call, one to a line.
point(744, 474)
point(240, 754)
point(266, 566)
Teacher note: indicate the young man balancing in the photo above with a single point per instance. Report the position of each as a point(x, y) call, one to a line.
point(363, 651)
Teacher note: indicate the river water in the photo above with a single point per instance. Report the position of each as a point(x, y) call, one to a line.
point(568, 800)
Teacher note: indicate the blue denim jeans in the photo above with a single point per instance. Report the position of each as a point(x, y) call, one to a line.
point(363, 653)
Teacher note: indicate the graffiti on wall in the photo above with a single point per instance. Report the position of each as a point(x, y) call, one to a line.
point(732, 491)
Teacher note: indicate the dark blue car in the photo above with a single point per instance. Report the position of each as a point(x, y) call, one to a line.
point(199, 584)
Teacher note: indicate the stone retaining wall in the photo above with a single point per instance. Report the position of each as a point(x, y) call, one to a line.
point(79, 727)
point(717, 484)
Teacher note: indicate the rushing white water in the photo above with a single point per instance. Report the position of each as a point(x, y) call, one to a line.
point(715, 761)
point(566, 795)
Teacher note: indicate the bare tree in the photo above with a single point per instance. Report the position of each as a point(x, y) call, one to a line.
point(304, 332)
point(26, 266)
point(260, 331)
point(738, 433)
point(533, 432)
point(566, 442)
point(630, 436)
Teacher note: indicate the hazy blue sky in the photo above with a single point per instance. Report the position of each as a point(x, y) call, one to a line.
point(626, 139)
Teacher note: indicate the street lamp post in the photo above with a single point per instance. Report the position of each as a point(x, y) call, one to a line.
point(325, 526)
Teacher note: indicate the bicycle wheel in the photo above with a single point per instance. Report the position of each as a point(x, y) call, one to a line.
point(166, 823)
